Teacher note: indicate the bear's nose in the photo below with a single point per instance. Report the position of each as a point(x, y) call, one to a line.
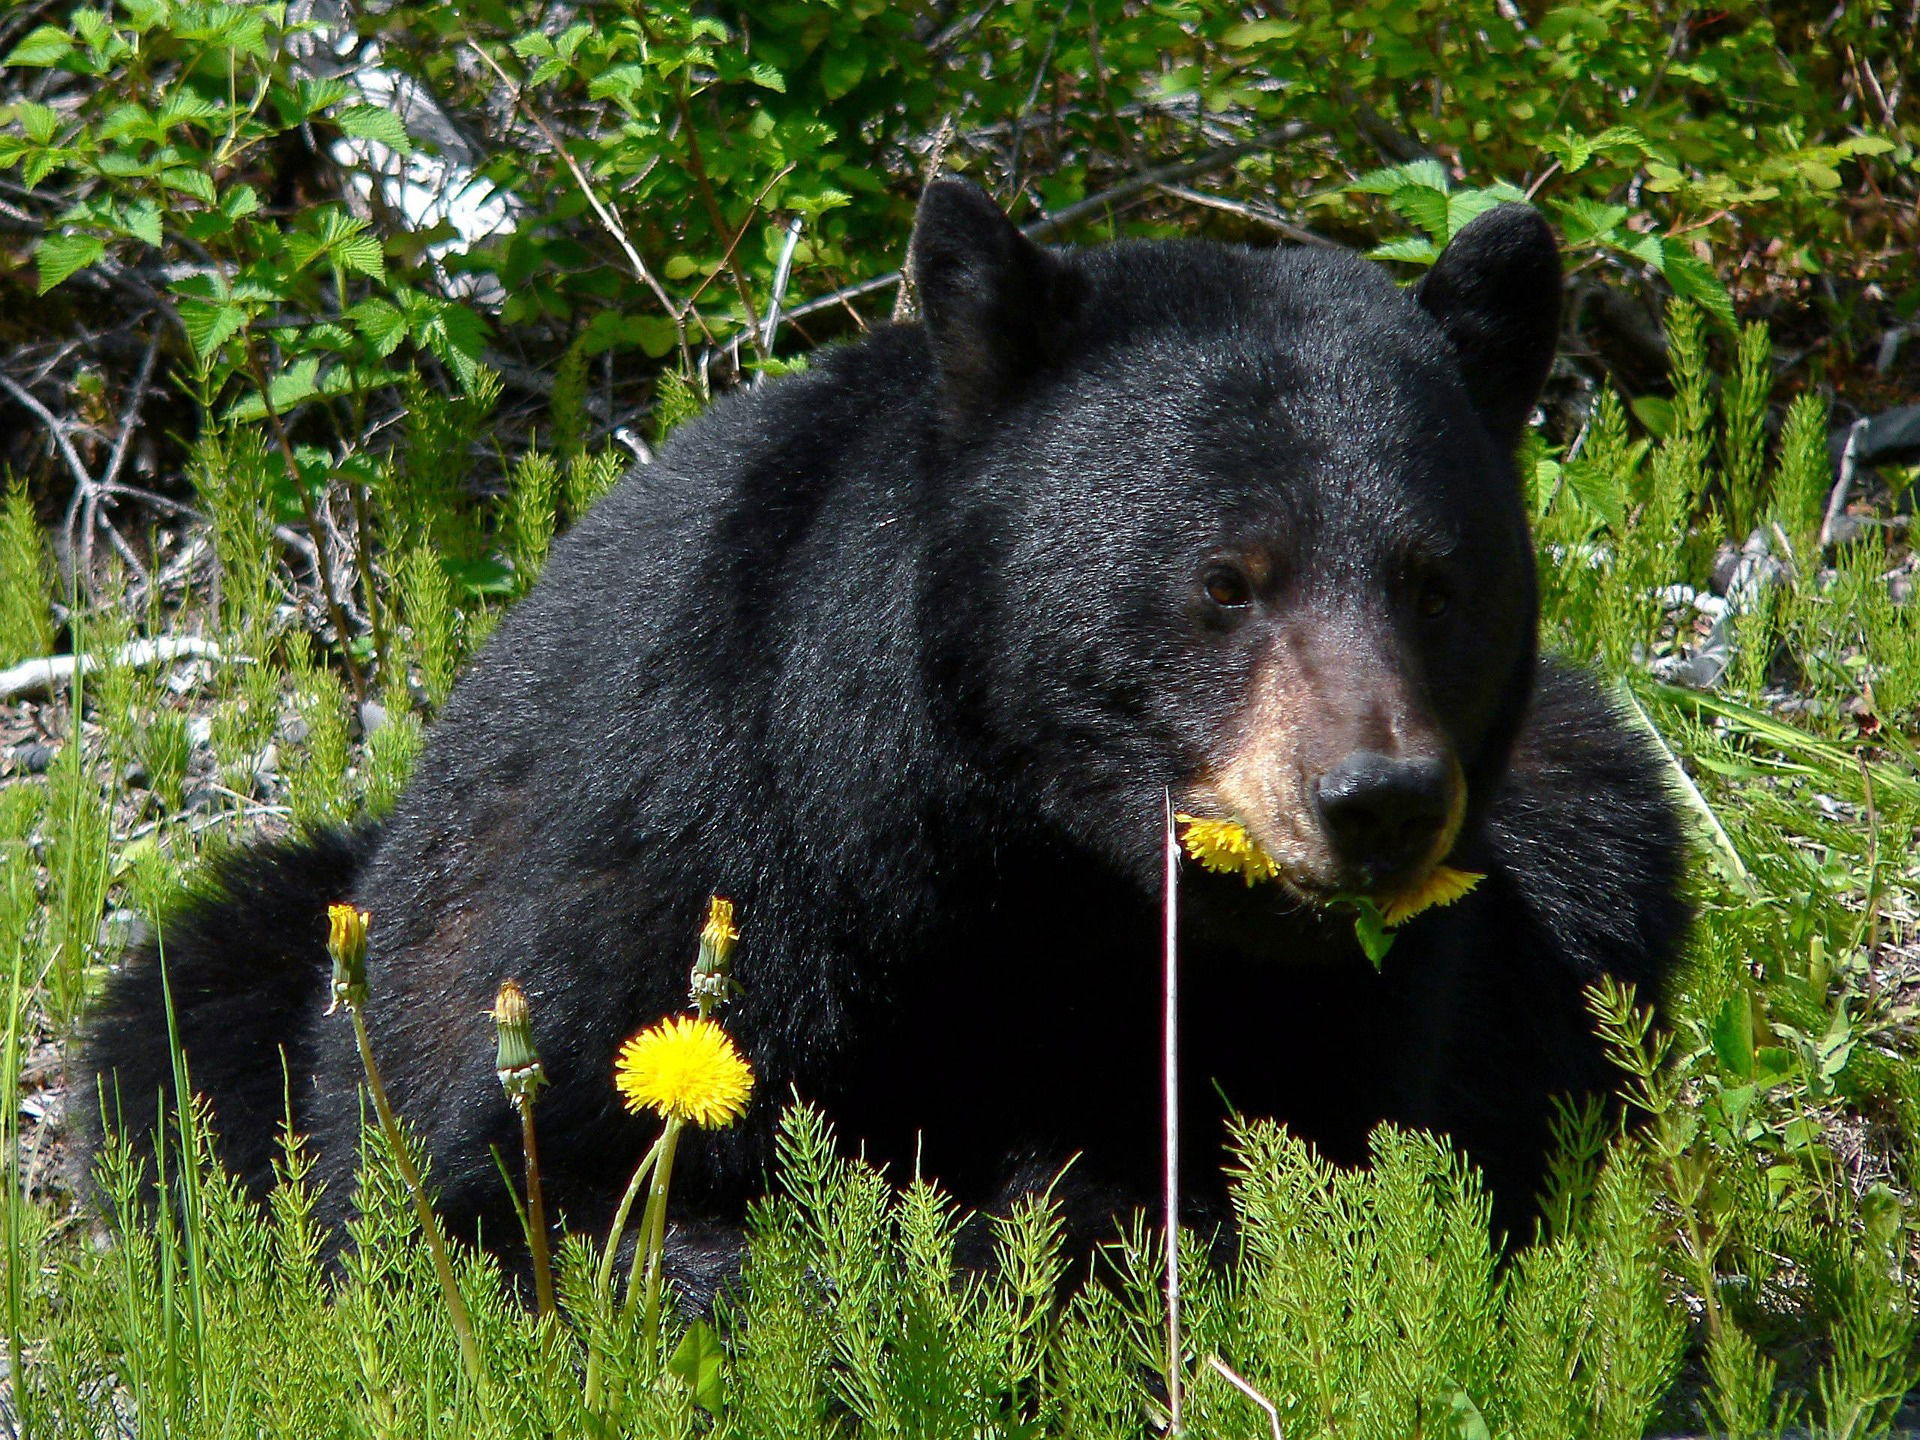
point(1383, 813)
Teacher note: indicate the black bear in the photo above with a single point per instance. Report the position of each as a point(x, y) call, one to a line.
point(903, 654)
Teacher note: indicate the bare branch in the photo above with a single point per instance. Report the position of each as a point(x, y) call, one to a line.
point(1157, 177)
point(81, 476)
point(606, 216)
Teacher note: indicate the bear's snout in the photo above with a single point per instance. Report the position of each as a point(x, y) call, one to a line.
point(1385, 815)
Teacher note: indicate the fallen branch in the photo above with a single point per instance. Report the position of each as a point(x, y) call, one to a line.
point(32, 677)
point(1842, 485)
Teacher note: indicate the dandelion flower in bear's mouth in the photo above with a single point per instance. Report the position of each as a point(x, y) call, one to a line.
point(1444, 886)
point(1226, 848)
point(684, 1068)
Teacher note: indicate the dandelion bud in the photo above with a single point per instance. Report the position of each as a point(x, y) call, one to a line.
point(347, 944)
point(516, 1062)
point(710, 984)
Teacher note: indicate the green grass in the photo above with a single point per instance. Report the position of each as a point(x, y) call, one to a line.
point(1743, 1264)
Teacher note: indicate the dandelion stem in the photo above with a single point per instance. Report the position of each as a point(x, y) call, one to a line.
point(536, 1211)
point(653, 1235)
point(603, 1281)
point(429, 1222)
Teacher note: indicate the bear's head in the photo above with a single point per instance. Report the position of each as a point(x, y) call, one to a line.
point(1240, 524)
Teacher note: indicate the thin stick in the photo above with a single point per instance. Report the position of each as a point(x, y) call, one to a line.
point(1170, 1099)
point(1873, 851)
point(703, 186)
point(1273, 1413)
point(1257, 215)
point(131, 418)
point(606, 217)
point(782, 272)
point(83, 481)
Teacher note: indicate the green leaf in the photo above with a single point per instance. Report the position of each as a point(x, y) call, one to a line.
point(39, 121)
point(1464, 1420)
point(45, 46)
point(1731, 1034)
point(58, 256)
point(128, 122)
point(372, 122)
point(1647, 249)
point(1693, 279)
point(341, 239)
point(362, 253)
point(1621, 137)
point(1425, 207)
point(841, 69)
point(1428, 173)
point(699, 1360)
point(1572, 151)
point(381, 323)
point(1585, 219)
point(304, 380)
point(189, 181)
point(619, 82)
point(1258, 32)
point(39, 166)
point(313, 96)
point(1415, 249)
point(1602, 489)
point(142, 221)
point(183, 107)
point(485, 576)
point(1464, 206)
point(292, 385)
point(653, 334)
point(1773, 1065)
point(210, 323)
point(1370, 929)
point(450, 331)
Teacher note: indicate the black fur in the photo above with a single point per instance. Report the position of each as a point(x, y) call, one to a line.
point(246, 964)
point(901, 654)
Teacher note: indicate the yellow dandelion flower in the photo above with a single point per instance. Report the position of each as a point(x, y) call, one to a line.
point(684, 1068)
point(1225, 847)
point(1444, 886)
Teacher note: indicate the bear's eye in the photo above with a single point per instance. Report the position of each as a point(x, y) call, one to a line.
point(1227, 587)
point(1432, 597)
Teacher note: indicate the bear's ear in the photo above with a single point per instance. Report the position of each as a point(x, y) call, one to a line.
point(993, 301)
point(1496, 292)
